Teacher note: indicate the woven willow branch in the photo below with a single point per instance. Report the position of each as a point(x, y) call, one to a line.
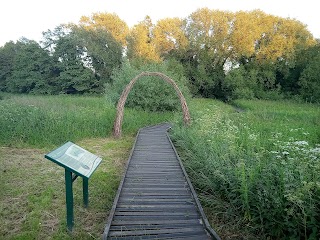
point(123, 98)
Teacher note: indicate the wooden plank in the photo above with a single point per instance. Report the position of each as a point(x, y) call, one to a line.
point(155, 185)
point(160, 197)
point(185, 230)
point(162, 237)
point(163, 194)
point(127, 222)
point(155, 200)
point(169, 214)
point(155, 217)
point(151, 227)
point(158, 189)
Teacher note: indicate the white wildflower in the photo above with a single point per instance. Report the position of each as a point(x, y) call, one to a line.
point(301, 143)
point(315, 150)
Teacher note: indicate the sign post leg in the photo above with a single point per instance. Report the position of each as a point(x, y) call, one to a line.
point(85, 183)
point(69, 199)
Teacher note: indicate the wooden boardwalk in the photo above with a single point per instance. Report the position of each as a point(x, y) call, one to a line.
point(155, 199)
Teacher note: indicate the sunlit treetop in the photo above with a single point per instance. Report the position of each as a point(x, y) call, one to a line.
point(141, 42)
point(169, 35)
point(110, 22)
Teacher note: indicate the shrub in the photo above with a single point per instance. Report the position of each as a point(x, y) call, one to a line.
point(149, 93)
point(240, 84)
point(249, 84)
point(309, 81)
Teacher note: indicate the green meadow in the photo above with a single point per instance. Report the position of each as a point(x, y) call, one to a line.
point(32, 193)
point(256, 167)
point(254, 164)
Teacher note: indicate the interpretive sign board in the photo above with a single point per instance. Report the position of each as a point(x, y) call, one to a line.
point(75, 158)
point(77, 162)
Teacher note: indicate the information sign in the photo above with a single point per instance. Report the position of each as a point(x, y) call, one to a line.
point(76, 162)
point(75, 158)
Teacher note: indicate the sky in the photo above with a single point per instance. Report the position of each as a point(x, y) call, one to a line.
point(29, 18)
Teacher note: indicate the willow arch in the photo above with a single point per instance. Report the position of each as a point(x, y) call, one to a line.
point(117, 127)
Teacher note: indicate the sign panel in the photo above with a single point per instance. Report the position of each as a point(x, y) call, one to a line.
point(75, 159)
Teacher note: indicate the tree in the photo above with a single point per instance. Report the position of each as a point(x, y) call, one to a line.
point(141, 43)
point(111, 23)
point(31, 70)
point(267, 37)
point(208, 51)
point(272, 46)
point(169, 36)
point(303, 57)
point(7, 57)
point(103, 52)
point(74, 77)
point(309, 81)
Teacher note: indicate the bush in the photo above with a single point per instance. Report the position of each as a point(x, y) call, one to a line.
point(249, 84)
point(149, 93)
point(240, 84)
point(309, 81)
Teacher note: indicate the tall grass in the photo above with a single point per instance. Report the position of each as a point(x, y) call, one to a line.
point(32, 198)
point(260, 166)
point(45, 121)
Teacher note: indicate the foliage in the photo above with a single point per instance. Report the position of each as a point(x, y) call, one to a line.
point(74, 77)
point(220, 40)
point(141, 43)
point(258, 168)
point(84, 56)
point(7, 57)
point(64, 117)
point(149, 93)
point(240, 84)
point(169, 36)
point(268, 37)
point(107, 22)
point(208, 50)
point(210, 45)
point(103, 51)
point(309, 80)
point(31, 69)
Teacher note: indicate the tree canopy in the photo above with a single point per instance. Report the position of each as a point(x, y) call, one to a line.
point(224, 54)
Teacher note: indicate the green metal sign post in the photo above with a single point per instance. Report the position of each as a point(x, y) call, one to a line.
point(77, 162)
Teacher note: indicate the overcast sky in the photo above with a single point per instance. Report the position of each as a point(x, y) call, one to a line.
point(29, 18)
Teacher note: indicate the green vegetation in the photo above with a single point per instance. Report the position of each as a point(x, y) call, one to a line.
point(32, 198)
point(50, 121)
point(32, 193)
point(279, 58)
point(256, 168)
point(255, 165)
point(149, 93)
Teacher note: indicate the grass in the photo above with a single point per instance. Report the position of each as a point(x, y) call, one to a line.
point(257, 171)
point(32, 194)
point(50, 121)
